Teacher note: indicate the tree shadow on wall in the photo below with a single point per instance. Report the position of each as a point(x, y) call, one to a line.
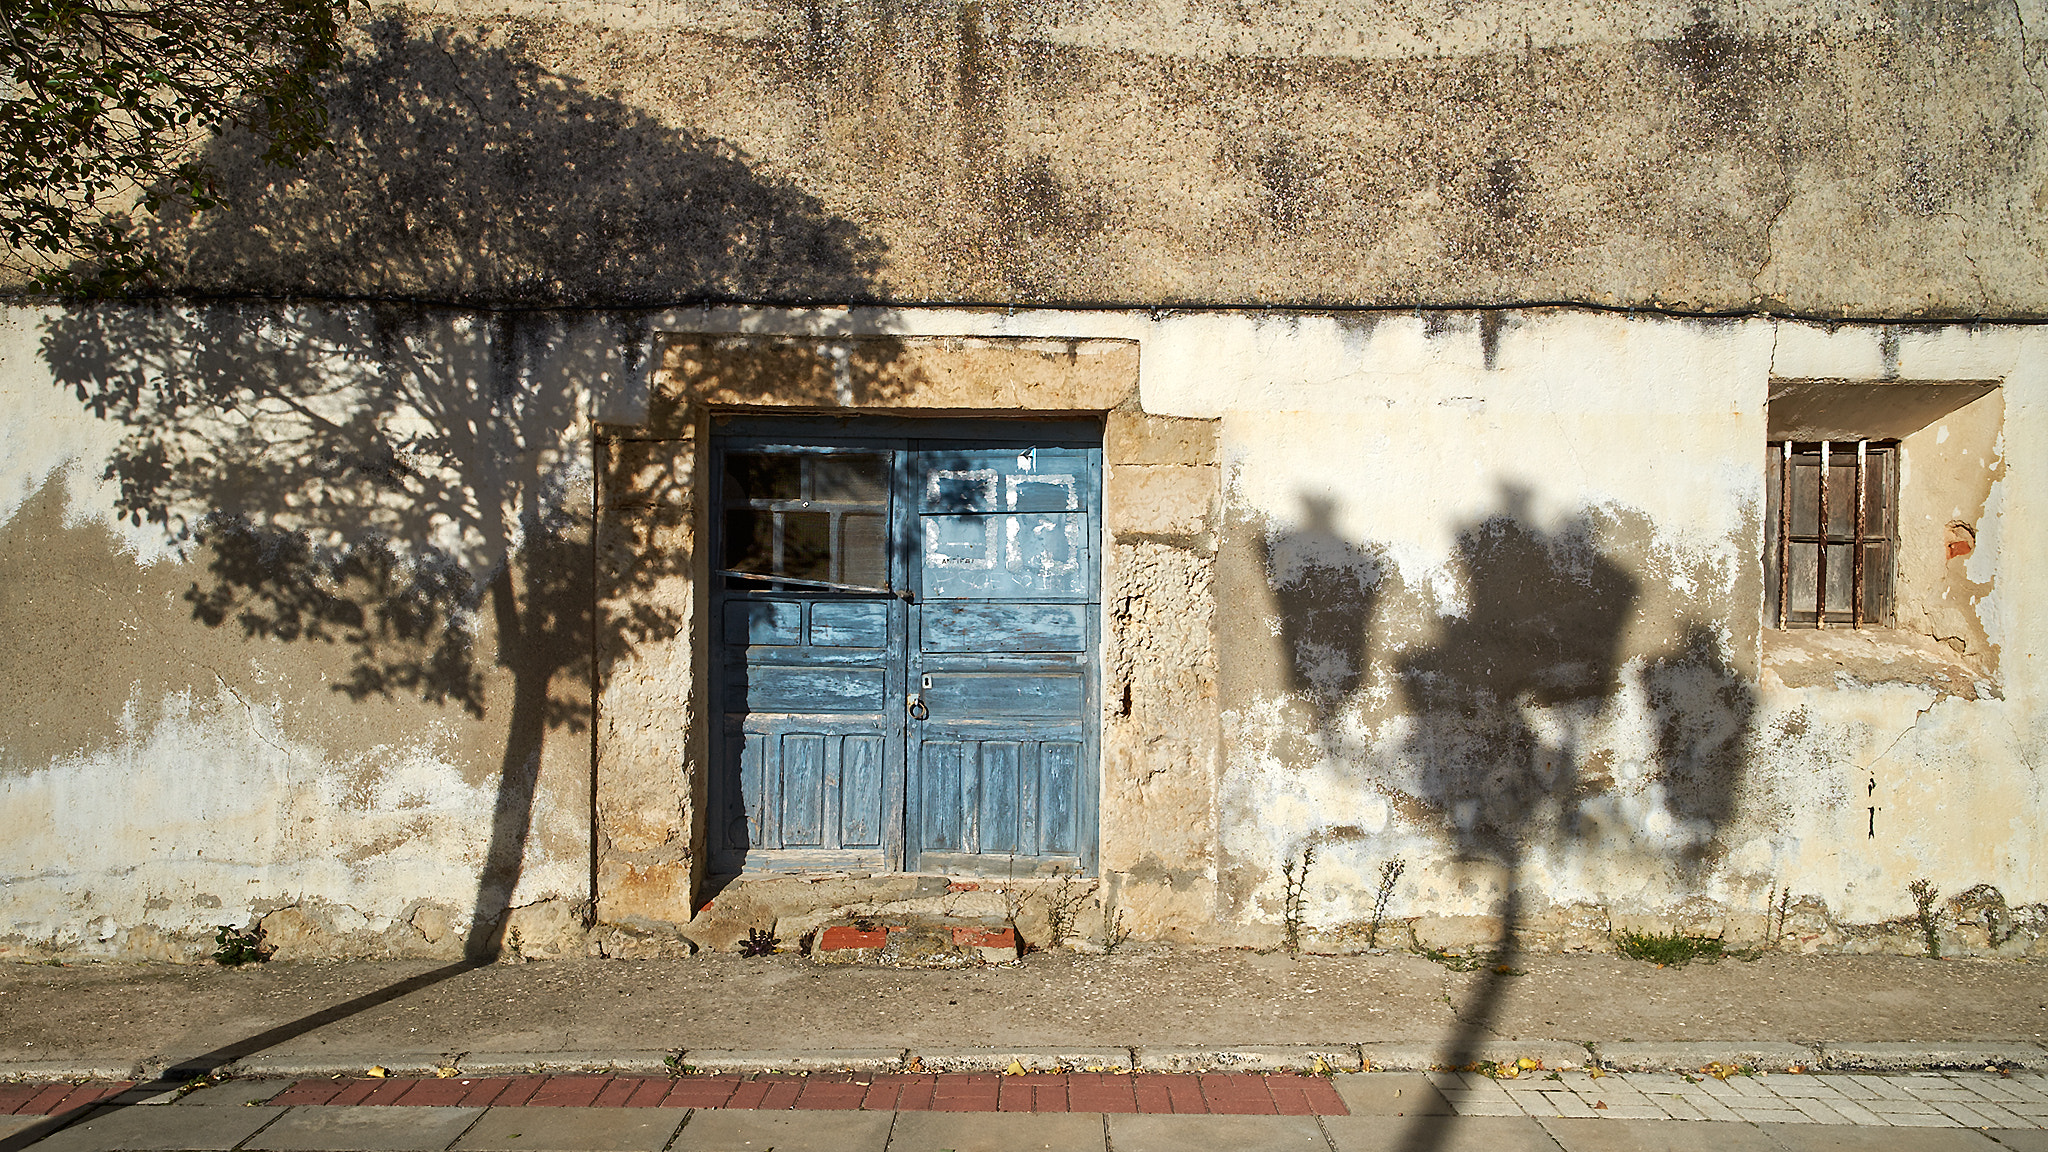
point(1501, 704)
point(413, 484)
point(469, 175)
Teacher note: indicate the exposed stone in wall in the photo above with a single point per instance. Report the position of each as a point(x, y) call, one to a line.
point(647, 804)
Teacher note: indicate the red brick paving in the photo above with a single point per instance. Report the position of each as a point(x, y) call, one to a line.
point(569, 1092)
point(484, 1090)
point(1285, 1093)
point(436, 1093)
point(389, 1091)
point(703, 1092)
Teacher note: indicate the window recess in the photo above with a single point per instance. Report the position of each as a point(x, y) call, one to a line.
point(1831, 540)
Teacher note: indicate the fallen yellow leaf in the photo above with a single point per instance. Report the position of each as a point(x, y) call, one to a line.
point(1595, 1073)
point(379, 1071)
point(445, 1071)
point(1016, 1068)
point(1528, 1065)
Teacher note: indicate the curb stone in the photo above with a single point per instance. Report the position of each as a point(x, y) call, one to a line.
point(1879, 1057)
point(349, 1064)
point(1030, 1059)
point(84, 1068)
point(1775, 1056)
point(514, 1063)
point(1552, 1054)
point(793, 1060)
point(1397, 1057)
point(1250, 1058)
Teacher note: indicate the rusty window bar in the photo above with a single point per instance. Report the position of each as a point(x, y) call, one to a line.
point(1820, 583)
point(1784, 530)
point(1856, 550)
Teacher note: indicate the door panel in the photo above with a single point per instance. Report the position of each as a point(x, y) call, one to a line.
point(907, 630)
point(1005, 633)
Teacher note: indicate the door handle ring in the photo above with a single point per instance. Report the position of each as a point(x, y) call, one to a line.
point(918, 711)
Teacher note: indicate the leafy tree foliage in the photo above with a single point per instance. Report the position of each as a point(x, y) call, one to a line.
point(106, 104)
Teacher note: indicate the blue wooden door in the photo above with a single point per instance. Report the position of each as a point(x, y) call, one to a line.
point(1002, 741)
point(904, 659)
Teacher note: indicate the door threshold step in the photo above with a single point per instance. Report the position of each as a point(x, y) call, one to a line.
point(914, 942)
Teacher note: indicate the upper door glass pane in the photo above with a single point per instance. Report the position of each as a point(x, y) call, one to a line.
point(817, 518)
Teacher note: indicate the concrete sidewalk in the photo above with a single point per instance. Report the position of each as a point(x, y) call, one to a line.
point(1158, 1008)
point(1592, 1023)
point(1355, 1112)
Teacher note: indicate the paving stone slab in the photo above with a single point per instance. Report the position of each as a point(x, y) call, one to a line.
point(1894, 1057)
point(196, 1129)
point(1435, 1134)
point(997, 1132)
point(2021, 1140)
point(794, 1059)
point(1251, 1058)
point(349, 1128)
point(1390, 1094)
point(573, 1130)
point(1621, 1135)
point(714, 1130)
point(1645, 1057)
point(1129, 1133)
point(20, 1125)
point(235, 1092)
point(1031, 1059)
point(1845, 1138)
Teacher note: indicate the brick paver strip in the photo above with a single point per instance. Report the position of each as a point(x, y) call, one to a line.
point(569, 1091)
point(436, 1093)
point(702, 1092)
point(1237, 1094)
point(13, 1096)
point(483, 1091)
point(648, 1093)
point(519, 1090)
point(356, 1091)
point(389, 1091)
point(308, 1092)
point(45, 1102)
point(617, 1092)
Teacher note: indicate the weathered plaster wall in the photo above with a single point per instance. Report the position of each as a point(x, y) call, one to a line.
point(1511, 589)
point(1862, 157)
point(1481, 591)
point(298, 612)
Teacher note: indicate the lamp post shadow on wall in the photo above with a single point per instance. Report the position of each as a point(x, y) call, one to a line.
point(1500, 705)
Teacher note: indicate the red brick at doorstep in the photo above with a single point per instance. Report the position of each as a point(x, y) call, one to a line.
point(1237, 1093)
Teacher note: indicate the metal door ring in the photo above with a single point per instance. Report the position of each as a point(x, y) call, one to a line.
point(918, 711)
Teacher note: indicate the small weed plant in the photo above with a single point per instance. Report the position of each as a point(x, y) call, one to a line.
point(760, 942)
point(236, 947)
point(1924, 895)
point(1671, 949)
point(1390, 875)
point(1295, 875)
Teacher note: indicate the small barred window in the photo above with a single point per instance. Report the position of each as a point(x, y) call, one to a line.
point(1832, 534)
